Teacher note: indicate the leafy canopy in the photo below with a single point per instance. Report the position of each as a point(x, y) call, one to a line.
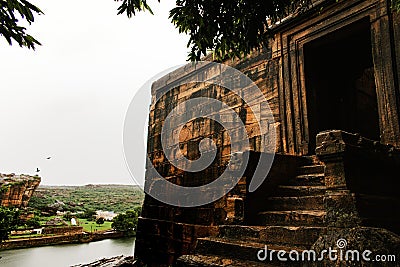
point(127, 222)
point(231, 28)
point(100, 221)
point(9, 220)
point(11, 11)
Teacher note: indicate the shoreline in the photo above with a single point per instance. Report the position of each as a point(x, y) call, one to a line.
point(77, 238)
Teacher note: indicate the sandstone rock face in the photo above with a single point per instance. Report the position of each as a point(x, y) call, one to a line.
point(16, 190)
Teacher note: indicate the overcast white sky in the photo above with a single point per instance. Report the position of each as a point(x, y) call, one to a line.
point(68, 98)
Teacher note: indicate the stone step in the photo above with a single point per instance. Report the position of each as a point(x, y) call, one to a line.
point(292, 218)
point(238, 249)
point(301, 236)
point(308, 180)
point(312, 160)
point(295, 203)
point(216, 261)
point(311, 169)
point(240, 231)
point(298, 191)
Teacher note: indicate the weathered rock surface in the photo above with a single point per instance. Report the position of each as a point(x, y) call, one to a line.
point(382, 244)
point(16, 190)
point(118, 261)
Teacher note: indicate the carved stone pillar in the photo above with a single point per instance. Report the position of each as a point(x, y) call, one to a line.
point(339, 201)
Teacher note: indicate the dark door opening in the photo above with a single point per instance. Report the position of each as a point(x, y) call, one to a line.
point(340, 84)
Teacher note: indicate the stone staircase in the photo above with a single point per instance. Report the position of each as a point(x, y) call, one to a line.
point(294, 218)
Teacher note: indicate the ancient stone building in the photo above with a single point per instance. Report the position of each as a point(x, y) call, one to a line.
point(331, 77)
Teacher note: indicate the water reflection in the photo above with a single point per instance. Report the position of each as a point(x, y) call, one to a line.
point(66, 255)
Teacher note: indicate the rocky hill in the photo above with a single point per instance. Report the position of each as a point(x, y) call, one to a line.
point(16, 190)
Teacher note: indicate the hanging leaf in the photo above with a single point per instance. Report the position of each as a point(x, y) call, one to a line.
point(9, 27)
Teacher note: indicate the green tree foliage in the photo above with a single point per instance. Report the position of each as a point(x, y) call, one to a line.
point(34, 222)
point(396, 5)
point(9, 220)
point(89, 214)
point(67, 216)
point(231, 28)
point(126, 222)
point(11, 12)
point(3, 189)
point(100, 221)
point(131, 7)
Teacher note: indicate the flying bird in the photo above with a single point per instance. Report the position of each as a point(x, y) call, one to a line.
point(48, 158)
point(37, 170)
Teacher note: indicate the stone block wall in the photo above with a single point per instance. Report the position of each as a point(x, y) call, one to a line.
point(70, 230)
point(168, 231)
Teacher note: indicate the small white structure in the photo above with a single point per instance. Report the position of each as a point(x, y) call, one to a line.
point(37, 231)
point(73, 221)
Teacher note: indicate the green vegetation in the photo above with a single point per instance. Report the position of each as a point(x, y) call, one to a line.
point(89, 214)
point(229, 28)
point(11, 13)
point(82, 202)
point(100, 221)
point(396, 5)
point(3, 188)
point(9, 219)
point(91, 226)
point(86, 199)
point(127, 222)
point(33, 223)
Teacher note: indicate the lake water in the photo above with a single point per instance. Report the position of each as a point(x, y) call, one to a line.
point(66, 255)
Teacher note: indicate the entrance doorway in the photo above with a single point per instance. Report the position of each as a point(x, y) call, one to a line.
point(340, 83)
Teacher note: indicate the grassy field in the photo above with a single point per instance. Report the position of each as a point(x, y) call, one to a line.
point(92, 226)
